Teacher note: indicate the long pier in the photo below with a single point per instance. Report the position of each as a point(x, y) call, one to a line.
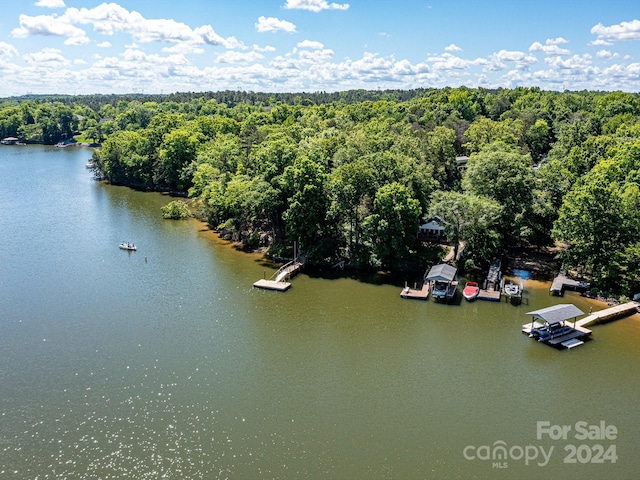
point(607, 314)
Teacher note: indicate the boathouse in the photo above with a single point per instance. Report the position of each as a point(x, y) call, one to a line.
point(550, 325)
point(9, 141)
point(442, 280)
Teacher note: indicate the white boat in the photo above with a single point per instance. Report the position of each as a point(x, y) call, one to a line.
point(511, 289)
point(128, 246)
point(471, 290)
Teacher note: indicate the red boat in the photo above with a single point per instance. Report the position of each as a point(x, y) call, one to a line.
point(471, 291)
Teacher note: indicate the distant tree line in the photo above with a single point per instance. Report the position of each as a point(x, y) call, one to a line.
point(351, 175)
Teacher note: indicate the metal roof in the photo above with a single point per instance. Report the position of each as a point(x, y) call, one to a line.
point(557, 313)
point(432, 225)
point(442, 273)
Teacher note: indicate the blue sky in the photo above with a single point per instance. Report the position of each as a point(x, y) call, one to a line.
point(157, 46)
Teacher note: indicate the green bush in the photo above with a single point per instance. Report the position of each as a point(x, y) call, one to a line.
point(176, 210)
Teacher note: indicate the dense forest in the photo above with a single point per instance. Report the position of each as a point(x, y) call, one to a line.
point(350, 176)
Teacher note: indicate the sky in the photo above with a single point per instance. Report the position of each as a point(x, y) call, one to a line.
point(157, 46)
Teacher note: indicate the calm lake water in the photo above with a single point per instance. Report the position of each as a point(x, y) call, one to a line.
point(166, 363)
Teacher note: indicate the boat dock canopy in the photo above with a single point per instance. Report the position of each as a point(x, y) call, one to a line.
point(441, 273)
point(557, 313)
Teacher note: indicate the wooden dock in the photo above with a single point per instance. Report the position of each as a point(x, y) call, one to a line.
point(622, 310)
point(415, 294)
point(491, 286)
point(491, 295)
point(562, 282)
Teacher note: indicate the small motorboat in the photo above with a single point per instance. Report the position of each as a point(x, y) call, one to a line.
point(128, 246)
point(471, 290)
point(511, 289)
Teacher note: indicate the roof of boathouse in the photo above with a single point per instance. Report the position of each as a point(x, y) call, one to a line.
point(557, 313)
point(442, 273)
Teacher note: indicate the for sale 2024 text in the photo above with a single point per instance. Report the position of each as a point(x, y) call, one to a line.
point(582, 431)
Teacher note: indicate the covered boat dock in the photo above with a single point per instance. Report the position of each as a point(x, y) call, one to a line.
point(549, 325)
point(442, 280)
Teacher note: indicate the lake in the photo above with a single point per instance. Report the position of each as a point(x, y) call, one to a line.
point(166, 362)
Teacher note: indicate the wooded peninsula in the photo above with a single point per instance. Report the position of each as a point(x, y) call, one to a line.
point(350, 176)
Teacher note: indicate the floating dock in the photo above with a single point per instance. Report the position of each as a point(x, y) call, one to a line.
point(562, 282)
point(272, 285)
point(285, 272)
point(414, 293)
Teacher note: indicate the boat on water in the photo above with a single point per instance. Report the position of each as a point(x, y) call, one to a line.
point(128, 246)
point(549, 332)
point(511, 289)
point(471, 291)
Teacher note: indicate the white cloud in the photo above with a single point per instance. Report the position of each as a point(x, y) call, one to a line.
point(310, 44)
point(315, 5)
point(110, 18)
point(556, 41)
point(446, 61)
point(7, 50)
point(606, 54)
point(600, 43)
point(46, 57)
point(629, 72)
point(521, 60)
point(576, 63)
point(273, 24)
point(452, 48)
point(620, 32)
point(104, 44)
point(315, 56)
point(50, 25)
point(266, 48)
point(514, 56)
point(50, 3)
point(239, 57)
point(550, 48)
point(184, 49)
